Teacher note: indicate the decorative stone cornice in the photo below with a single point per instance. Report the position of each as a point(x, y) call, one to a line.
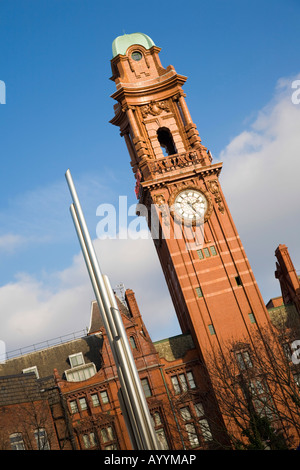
point(165, 86)
point(174, 173)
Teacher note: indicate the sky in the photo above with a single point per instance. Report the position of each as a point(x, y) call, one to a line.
point(241, 60)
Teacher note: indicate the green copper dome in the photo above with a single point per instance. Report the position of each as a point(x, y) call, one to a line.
point(121, 43)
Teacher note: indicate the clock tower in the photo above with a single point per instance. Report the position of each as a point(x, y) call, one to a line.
point(207, 271)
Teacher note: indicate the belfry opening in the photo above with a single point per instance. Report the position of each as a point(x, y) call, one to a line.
point(166, 141)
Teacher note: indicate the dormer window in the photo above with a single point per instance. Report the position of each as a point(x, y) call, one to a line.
point(76, 359)
point(31, 369)
point(79, 370)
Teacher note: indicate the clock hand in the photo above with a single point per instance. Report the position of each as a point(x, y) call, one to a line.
point(191, 205)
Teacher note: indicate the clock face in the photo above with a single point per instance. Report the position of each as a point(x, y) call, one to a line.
point(190, 205)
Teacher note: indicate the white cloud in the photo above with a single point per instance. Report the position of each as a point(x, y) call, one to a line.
point(59, 303)
point(32, 311)
point(260, 179)
point(135, 263)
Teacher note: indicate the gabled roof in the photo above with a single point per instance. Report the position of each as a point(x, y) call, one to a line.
point(96, 322)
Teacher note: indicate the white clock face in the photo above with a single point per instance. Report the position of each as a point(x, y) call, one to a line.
point(190, 205)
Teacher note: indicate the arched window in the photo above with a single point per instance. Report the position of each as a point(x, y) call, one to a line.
point(132, 342)
point(166, 141)
point(16, 441)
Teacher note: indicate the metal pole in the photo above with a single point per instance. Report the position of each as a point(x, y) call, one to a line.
point(132, 399)
point(133, 428)
point(142, 406)
point(134, 385)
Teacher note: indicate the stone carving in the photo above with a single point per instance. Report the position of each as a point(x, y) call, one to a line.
point(213, 187)
point(159, 200)
point(175, 161)
point(154, 108)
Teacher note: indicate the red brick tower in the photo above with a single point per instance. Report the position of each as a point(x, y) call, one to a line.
point(287, 276)
point(211, 283)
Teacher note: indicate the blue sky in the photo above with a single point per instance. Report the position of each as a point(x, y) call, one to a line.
point(240, 57)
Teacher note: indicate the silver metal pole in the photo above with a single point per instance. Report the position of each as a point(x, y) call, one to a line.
point(142, 407)
point(127, 412)
point(118, 354)
point(135, 401)
point(88, 242)
point(90, 271)
point(132, 397)
point(127, 418)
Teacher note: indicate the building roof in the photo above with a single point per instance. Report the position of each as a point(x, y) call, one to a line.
point(275, 302)
point(284, 316)
point(175, 347)
point(96, 322)
point(19, 389)
point(56, 357)
point(121, 43)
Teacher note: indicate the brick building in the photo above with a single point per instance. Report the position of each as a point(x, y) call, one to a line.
point(76, 384)
point(70, 392)
point(65, 396)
